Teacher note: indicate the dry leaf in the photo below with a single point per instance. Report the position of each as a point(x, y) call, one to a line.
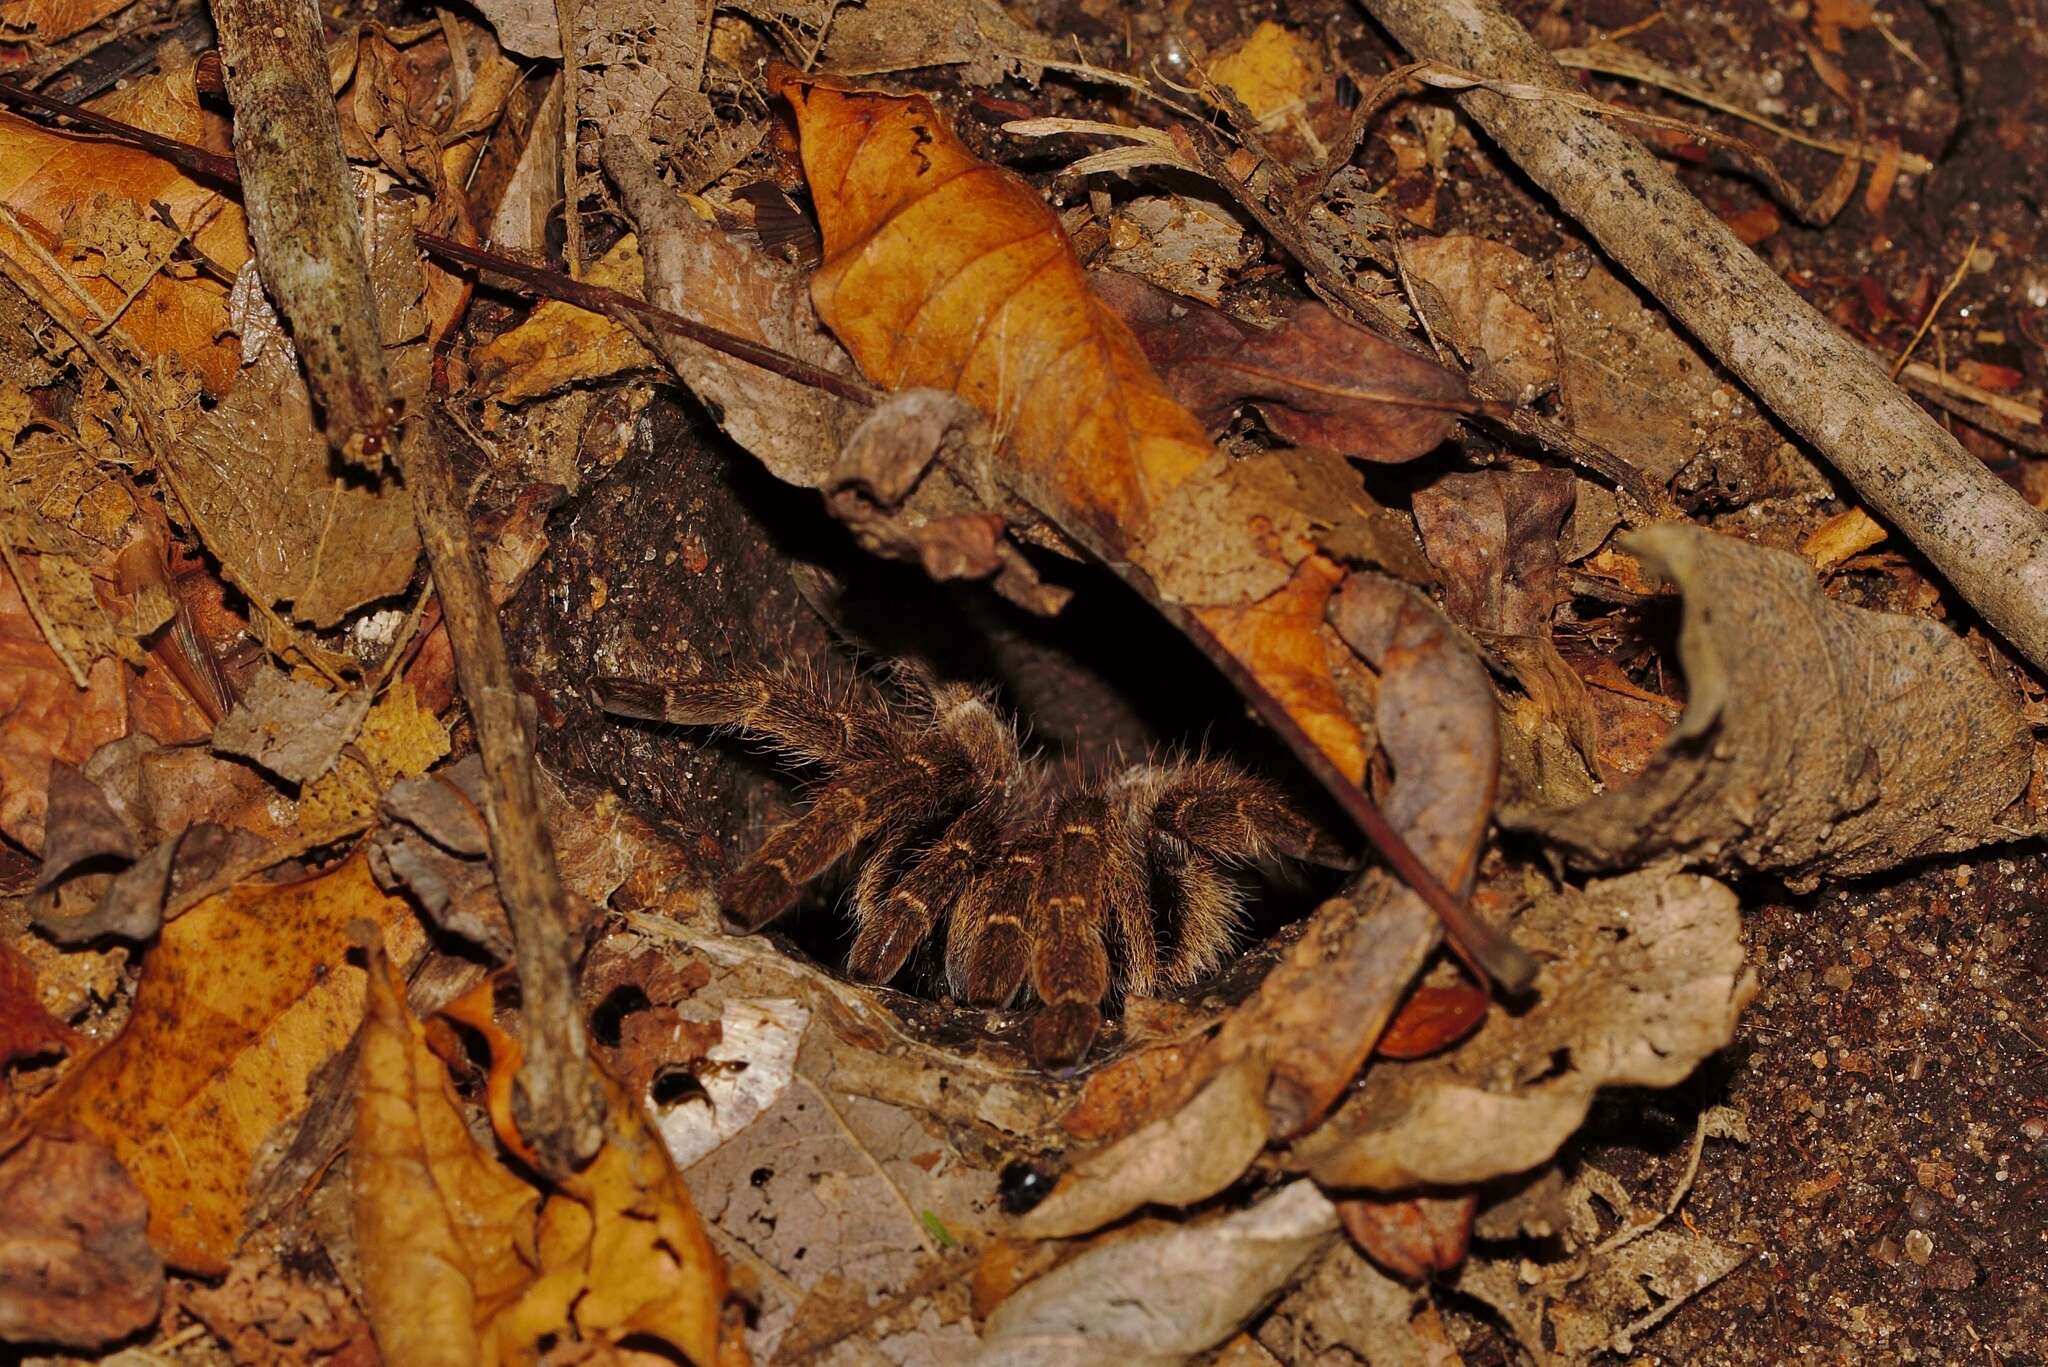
point(241, 1001)
point(75, 1269)
point(286, 525)
point(1643, 978)
point(1431, 1021)
point(443, 1230)
point(48, 718)
point(1817, 738)
point(46, 177)
point(1412, 1237)
point(464, 1263)
point(27, 1031)
point(1163, 1294)
point(1317, 380)
point(1494, 297)
point(293, 727)
point(944, 271)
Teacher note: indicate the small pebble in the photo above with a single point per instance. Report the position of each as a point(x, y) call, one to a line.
point(1919, 1246)
point(1887, 1251)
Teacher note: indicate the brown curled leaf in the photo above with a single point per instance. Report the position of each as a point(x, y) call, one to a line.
point(1887, 739)
point(948, 272)
point(464, 1261)
point(1316, 379)
point(1432, 1020)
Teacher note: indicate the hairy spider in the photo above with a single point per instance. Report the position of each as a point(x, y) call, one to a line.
point(1077, 883)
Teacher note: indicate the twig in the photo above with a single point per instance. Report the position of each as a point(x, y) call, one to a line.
point(556, 1100)
point(300, 196)
point(1979, 533)
point(1611, 59)
point(1934, 309)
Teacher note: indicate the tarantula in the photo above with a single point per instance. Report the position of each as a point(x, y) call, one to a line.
point(1073, 882)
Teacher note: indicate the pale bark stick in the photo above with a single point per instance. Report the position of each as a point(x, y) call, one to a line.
point(1991, 546)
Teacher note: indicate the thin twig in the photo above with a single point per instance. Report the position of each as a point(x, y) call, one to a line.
point(1934, 309)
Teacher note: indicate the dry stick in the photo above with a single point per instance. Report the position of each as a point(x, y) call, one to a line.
point(301, 202)
point(1979, 533)
point(556, 1102)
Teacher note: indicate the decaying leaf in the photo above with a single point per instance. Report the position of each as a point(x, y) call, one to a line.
point(1410, 1237)
point(292, 727)
point(75, 1268)
point(1163, 1294)
point(1644, 977)
point(1888, 741)
point(1495, 298)
point(241, 1001)
point(944, 271)
point(48, 718)
point(49, 175)
point(1317, 380)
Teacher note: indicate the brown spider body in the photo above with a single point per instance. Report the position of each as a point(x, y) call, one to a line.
point(1077, 884)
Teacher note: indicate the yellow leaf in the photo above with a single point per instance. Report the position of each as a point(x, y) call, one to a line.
point(242, 1000)
point(459, 1266)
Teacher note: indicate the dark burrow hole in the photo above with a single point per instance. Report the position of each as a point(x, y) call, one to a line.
point(728, 565)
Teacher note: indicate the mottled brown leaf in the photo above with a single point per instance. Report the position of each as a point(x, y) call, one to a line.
point(26, 1029)
point(75, 1269)
point(1410, 1237)
point(1816, 739)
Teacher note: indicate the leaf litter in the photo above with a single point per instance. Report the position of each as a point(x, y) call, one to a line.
point(1373, 531)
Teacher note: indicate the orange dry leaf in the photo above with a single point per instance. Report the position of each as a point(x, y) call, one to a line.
point(1283, 640)
point(26, 1029)
point(948, 272)
point(69, 190)
point(242, 1000)
point(945, 271)
point(464, 1262)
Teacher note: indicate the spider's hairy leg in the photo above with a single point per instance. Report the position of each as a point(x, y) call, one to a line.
point(903, 918)
point(988, 950)
point(846, 812)
point(1069, 947)
point(1202, 911)
point(1224, 813)
point(794, 709)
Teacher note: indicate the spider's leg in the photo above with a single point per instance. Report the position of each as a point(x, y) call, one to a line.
point(846, 812)
point(1200, 910)
point(905, 915)
point(988, 951)
point(794, 709)
point(1226, 814)
point(1069, 950)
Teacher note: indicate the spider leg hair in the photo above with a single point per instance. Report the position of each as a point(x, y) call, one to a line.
point(846, 812)
point(1069, 945)
point(796, 710)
